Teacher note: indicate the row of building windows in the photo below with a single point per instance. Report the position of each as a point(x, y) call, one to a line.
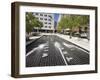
point(47, 26)
point(47, 23)
point(44, 19)
point(43, 15)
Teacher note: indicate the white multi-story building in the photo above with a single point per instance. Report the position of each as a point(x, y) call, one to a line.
point(47, 20)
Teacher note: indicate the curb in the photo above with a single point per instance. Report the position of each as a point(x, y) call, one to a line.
point(75, 44)
point(33, 41)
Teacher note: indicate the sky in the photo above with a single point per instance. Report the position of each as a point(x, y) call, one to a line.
point(56, 16)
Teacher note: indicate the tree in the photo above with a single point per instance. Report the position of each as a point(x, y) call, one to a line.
point(32, 22)
point(38, 25)
point(62, 25)
point(72, 22)
point(67, 21)
point(82, 23)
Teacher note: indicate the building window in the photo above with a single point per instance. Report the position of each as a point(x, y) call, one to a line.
point(41, 18)
point(49, 19)
point(45, 15)
point(50, 16)
point(45, 26)
point(45, 19)
point(41, 14)
point(45, 22)
point(36, 14)
point(49, 23)
point(33, 13)
point(49, 26)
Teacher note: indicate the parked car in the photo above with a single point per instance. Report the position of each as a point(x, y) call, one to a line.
point(76, 34)
point(83, 35)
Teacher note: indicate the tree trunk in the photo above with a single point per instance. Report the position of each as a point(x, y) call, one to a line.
point(70, 34)
point(80, 31)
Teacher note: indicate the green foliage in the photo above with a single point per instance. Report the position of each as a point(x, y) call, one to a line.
point(32, 22)
point(73, 21)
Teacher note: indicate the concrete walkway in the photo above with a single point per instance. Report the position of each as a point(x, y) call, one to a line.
point(33, 38)
point(84, 43)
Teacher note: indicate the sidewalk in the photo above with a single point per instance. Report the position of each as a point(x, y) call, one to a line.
point(33, 38)
point(84, 43)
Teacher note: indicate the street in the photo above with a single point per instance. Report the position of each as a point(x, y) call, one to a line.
point(51, 50)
